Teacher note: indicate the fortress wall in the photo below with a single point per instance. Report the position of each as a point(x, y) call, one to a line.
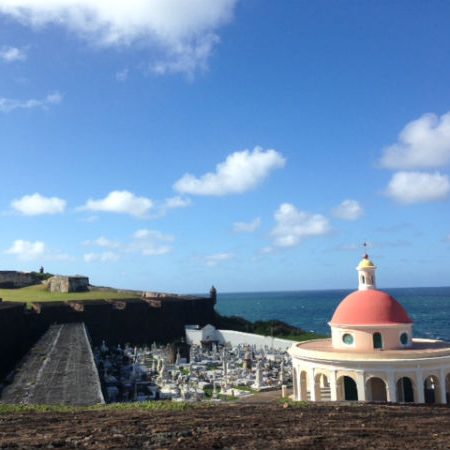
point(14, 341)
point(159, 318)
point(135, 321)
point(10, 279)
point(187, 312)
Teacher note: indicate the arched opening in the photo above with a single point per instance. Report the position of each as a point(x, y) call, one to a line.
point(376, 389)
point(303, 386)
point(363, 279)
point(431, 389)
point(377, 340)
point(405, 392)
point(322, 387)
point(346, 389)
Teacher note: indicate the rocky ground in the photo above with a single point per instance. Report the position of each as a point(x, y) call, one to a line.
point(234, 426)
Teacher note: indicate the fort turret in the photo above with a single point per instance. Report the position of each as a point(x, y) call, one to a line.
point(213, 293)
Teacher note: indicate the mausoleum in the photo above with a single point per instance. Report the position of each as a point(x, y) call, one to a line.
point(371, 355)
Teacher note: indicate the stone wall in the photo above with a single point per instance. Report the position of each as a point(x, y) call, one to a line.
point(209, 333)
point(12, 279)
point(61, 283)
point(136, 321)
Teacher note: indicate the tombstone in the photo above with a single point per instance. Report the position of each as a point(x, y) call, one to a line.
point(247, 364)
point(258, 376)
point(282, 372)
point(104, 348)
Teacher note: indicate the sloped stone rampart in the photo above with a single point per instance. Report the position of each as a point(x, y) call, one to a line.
point(58, 370)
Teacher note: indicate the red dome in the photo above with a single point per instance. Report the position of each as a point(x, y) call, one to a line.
point(370, 307)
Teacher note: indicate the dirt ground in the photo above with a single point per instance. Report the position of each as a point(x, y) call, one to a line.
point(235, 426)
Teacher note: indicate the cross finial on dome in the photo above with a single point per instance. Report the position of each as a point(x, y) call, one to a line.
point(366, 256)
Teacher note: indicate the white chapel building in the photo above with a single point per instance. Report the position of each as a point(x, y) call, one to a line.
point(371, 355)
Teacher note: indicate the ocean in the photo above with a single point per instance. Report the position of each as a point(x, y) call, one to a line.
point(429, 308)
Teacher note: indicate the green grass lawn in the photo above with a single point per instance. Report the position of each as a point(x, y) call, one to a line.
point(39, 293)
point(149, 405)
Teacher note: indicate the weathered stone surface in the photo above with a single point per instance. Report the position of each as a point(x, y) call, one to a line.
point(61, 283)
point(59, 369)
point(12, 279)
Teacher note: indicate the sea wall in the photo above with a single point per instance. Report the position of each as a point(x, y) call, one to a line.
point(209, 333)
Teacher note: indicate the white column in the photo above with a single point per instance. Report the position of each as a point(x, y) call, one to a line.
point(294, 383)
point(333, 385)
point(299, 384)
point(419, 397)
point(311, 387)
point(302, 387)
point(442, 386)
point(391, 387)
point(361, 385)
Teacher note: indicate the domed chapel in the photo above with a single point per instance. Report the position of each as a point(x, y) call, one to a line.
point(371, 355)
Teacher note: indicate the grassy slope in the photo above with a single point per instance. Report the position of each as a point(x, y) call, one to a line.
point(39, 293)
point(6, 408)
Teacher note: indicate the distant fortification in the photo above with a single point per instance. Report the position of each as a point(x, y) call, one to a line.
point(60, 283)
point(12, 279)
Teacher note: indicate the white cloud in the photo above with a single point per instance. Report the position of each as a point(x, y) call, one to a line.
point(293, 226)
point(89, 219)
point(36, 204)
point(26, 250)
point(181, 34)
point(30, 251)
point(101, 257)
point(12, 54)
point(120, 202)
point(153, 234)
point(177, 202)
point(240, 172)
point(348, 210)
point(247, 227)
point(186, 58)
point(217, 258)
point(103, 242)
point(122, 75)
point(11, 104)
point(423, 143)
point(418, 187)
point(145, 242)
point(151, 242)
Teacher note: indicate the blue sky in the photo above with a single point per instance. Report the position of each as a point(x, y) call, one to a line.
point(254, 145)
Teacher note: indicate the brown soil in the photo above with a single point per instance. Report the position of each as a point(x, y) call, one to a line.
point(235, 426)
